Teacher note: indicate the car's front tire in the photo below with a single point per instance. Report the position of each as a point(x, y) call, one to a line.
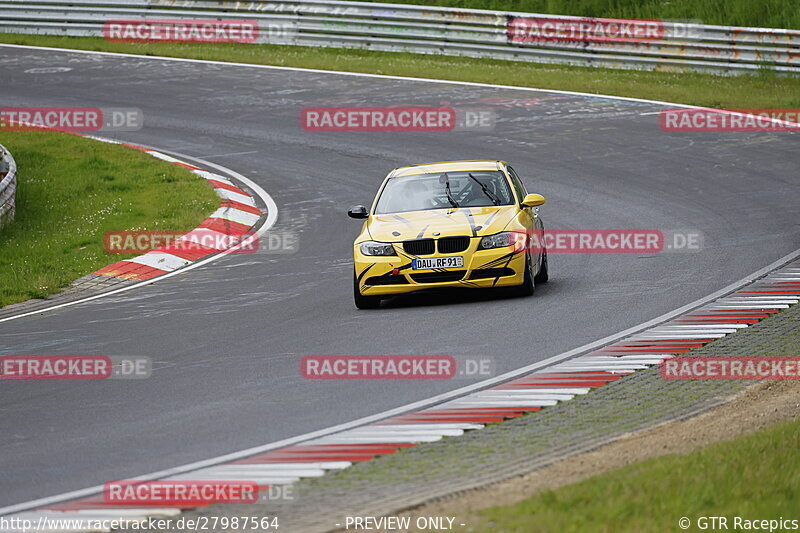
point(527, 287)
point(364, 302)
point(543, 274)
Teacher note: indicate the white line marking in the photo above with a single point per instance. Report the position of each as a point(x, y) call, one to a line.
point(748, 307)
point(634, 358)
point(160, 261)
point(163, 157)
point(500, 403)
point(538, 388)
point(260, 480)
point(401, 439)
point(262, 471)
point(231, 154)
point(523, 393)
point(670, 337)
point(225, 194)
point(211, 176)
point(693, 327)
point(585, 367)
point(419, 426)
point(783, 300)
point(696, 331)
point(325, 465)
point(235, 215)
point(377, 431)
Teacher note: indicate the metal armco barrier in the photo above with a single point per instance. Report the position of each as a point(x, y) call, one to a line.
point(8, 186)
point(677, 46)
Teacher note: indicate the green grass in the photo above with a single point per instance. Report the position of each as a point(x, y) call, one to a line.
point(70, 192)
point(755, 477)
point(761, 13)
point(763, 90)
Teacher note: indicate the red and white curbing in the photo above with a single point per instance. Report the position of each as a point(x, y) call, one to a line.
point(561, 382)
point(231, 224)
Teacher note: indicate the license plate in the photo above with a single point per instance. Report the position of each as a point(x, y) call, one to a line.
point(455, 261)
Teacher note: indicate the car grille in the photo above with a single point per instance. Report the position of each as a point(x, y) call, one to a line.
point(419, 247)
point(484, 273)
point(438, 277)
point(450, 245)
point(387, 280)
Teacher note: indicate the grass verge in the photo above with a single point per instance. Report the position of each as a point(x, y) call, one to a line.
point(745, 477)
point(762, 90)
point(761, 13)
point(70, 192)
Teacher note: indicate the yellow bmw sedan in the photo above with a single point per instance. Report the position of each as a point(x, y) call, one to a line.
point(453, 224)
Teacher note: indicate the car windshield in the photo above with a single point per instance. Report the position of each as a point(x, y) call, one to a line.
point(444, 190)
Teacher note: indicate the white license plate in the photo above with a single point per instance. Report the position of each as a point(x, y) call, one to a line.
point(455, 261)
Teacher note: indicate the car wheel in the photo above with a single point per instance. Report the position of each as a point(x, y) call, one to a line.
point(364, 302)
point(542, 276)
point(527, 287)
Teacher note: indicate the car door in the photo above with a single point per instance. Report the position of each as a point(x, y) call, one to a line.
point(530, 217)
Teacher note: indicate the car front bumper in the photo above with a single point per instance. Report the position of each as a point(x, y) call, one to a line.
point(387, 275)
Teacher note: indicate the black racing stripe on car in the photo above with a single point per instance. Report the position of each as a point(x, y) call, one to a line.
point(422, 231)
point(401, 219)
point(506, 266)
point(447, 216)
point(361, 276)
point(471, 221)
point(499, 261)
point(407, 256)
point(490, 218)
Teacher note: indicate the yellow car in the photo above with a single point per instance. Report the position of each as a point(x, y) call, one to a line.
point(452, 224)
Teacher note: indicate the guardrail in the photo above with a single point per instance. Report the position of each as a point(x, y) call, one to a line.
point(678, 46)
point(8, 186)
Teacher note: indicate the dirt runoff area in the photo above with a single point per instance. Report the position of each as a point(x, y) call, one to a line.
point(757, 407)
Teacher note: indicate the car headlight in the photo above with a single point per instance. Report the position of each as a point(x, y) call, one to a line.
point(501, 240)
point(377, 248)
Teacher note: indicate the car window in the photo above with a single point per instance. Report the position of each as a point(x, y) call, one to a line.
point(421, 192)
point(519, 187)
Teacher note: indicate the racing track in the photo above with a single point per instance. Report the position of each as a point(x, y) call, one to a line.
point(227, 338)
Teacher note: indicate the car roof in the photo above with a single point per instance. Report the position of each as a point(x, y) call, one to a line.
point(448, 166)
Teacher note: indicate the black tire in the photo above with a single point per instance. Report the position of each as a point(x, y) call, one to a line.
point(542, 276)
point(364, 302)
point(527, 287)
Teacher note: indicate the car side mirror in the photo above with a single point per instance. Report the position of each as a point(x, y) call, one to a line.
point(358, 211)
point(532, 200)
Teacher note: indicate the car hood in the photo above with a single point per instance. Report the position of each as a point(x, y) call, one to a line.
point(472, 221)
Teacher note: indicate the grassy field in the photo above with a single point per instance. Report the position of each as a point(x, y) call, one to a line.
point(764, 90)
point(766, 13)
point(70, 192)
point(754, 477)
